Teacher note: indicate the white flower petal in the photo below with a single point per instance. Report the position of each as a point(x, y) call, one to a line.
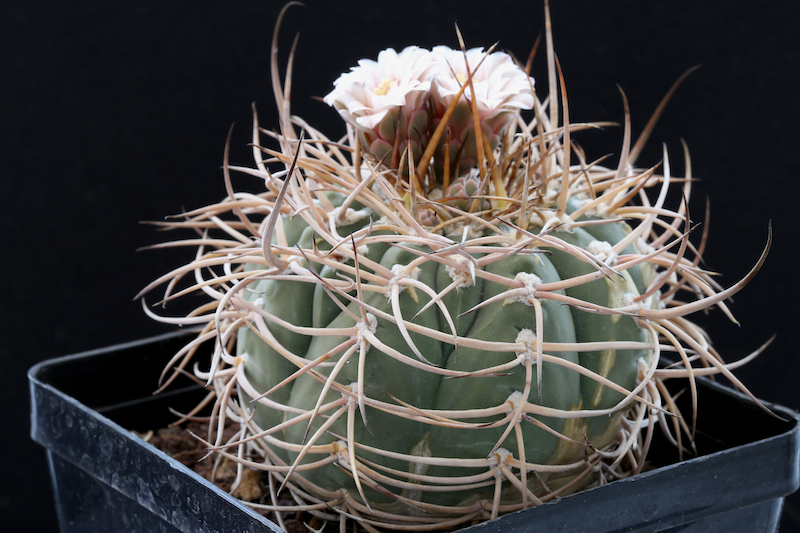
point(500, 85)
point(370, 90)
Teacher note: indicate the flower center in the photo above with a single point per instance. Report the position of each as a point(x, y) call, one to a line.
point(461, 78)
point(384, 87)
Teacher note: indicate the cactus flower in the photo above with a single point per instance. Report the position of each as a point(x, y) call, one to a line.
point(386, 100)
point(502, 90)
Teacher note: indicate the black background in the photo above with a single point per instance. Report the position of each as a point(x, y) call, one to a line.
point(117, 112)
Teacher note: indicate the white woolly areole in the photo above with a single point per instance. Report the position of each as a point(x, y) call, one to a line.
point(294, 266)
point(529, 282)
point(642, 367)
point(643, 247)
point(362, 249)
point(581, 199)
point(516, 399)
point(562, 223)
point(370, 326)
point(350, 215)
point(355, 390)
point(528, 338)
point(456, 274)
point(603, 252)
point(629, 300)
point(501, 456)
point(600, 210)
point(535, 220)
point(553, 189)
point(340, 449)
point(399, 272)
point(474, 230)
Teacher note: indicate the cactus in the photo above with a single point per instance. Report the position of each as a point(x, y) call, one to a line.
point(435, 346)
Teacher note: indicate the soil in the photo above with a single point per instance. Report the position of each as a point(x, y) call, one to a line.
point(180, 443)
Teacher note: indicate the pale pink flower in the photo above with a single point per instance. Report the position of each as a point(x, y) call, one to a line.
point(500, 85)
point(502, 90)
point(369, 91)
point(396, 101)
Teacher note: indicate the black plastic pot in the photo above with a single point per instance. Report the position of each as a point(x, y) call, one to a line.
point(105, 478)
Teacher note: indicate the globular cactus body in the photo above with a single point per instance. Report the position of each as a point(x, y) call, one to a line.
point(432, 344)
point(384, 377)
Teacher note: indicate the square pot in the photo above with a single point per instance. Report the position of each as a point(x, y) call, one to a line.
point(105, 478)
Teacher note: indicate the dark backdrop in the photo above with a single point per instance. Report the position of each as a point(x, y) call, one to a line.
point(117, 112)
